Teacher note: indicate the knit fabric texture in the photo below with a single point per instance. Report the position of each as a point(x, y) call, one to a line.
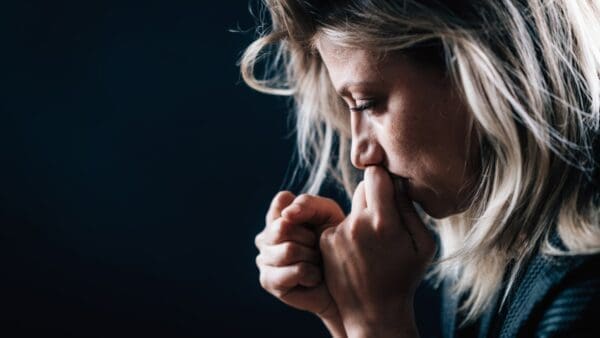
point(552, 297)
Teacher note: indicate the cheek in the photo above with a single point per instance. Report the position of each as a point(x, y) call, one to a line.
point(426, 141)
point(404, 148)
point(407, 140)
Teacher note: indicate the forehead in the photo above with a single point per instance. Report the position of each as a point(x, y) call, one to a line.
point(332, 50)
point(359, 70)
point(346, 64)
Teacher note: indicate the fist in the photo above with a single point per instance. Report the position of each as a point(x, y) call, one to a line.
point(376, 257)
point(289, 258)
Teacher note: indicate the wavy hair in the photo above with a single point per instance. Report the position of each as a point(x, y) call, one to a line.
point(529, 72)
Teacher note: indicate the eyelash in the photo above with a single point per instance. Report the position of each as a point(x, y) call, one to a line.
point(362, 107)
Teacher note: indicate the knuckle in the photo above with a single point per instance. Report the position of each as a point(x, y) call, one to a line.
point(259, 260)
point(277, 284)
point(354, 228)
point(258, 240)
point(378, 221)
point(324, 242)
point(278, 231)
point(290, 252)
point(304, 199)
point(302, 269)
point(326, 238)
point(278, 202)
point(264, 282)
point(282, 230)
point(281, 197)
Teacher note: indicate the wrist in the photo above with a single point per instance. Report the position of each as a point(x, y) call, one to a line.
point(333, 323)
point(402, 325)
point(387, 331)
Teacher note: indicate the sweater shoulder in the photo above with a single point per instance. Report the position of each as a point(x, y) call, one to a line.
point(568, 307)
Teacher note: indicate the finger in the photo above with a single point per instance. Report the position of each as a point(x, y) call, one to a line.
point(279, 280)
point(314, 210)
point(287, 253)
point(359, 201)
point(326, 240)
point(317, 295)
point(283, 230)
point(312, 276)
point(404, 204)
point(411, 220)
point(279, 202)
point(379, 191)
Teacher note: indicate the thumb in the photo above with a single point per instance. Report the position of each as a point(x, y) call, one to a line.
point(317, 211)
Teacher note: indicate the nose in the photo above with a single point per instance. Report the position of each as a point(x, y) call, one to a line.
point(366, 149)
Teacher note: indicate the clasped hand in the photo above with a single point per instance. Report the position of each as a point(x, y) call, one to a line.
point(358, 273)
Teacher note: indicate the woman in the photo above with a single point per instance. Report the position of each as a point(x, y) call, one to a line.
point(485, 115)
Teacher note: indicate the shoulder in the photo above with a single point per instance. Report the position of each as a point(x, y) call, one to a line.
point(568, 306)
point(545, 282)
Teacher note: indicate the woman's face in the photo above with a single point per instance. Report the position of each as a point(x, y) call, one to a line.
point(407, 118)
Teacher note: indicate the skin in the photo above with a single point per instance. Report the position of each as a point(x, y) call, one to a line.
point(358, 272)
point(416, 128)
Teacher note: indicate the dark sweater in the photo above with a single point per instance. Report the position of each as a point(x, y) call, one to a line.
point(552, 297)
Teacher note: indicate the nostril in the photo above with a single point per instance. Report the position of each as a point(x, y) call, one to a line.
point(367, 152)
point(358, 151)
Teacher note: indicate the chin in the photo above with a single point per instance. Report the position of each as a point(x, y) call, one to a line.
point(434, 205)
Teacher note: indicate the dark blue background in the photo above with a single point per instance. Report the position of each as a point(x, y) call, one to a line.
point(135, 171)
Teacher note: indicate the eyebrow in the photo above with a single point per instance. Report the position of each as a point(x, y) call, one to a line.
point(344, 89)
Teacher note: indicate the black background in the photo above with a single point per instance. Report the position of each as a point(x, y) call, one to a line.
point(135, 171)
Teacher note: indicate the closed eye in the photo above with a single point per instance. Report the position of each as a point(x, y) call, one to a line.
point(365, 105)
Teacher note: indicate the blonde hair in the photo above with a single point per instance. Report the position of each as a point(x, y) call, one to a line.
point(529, 71)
